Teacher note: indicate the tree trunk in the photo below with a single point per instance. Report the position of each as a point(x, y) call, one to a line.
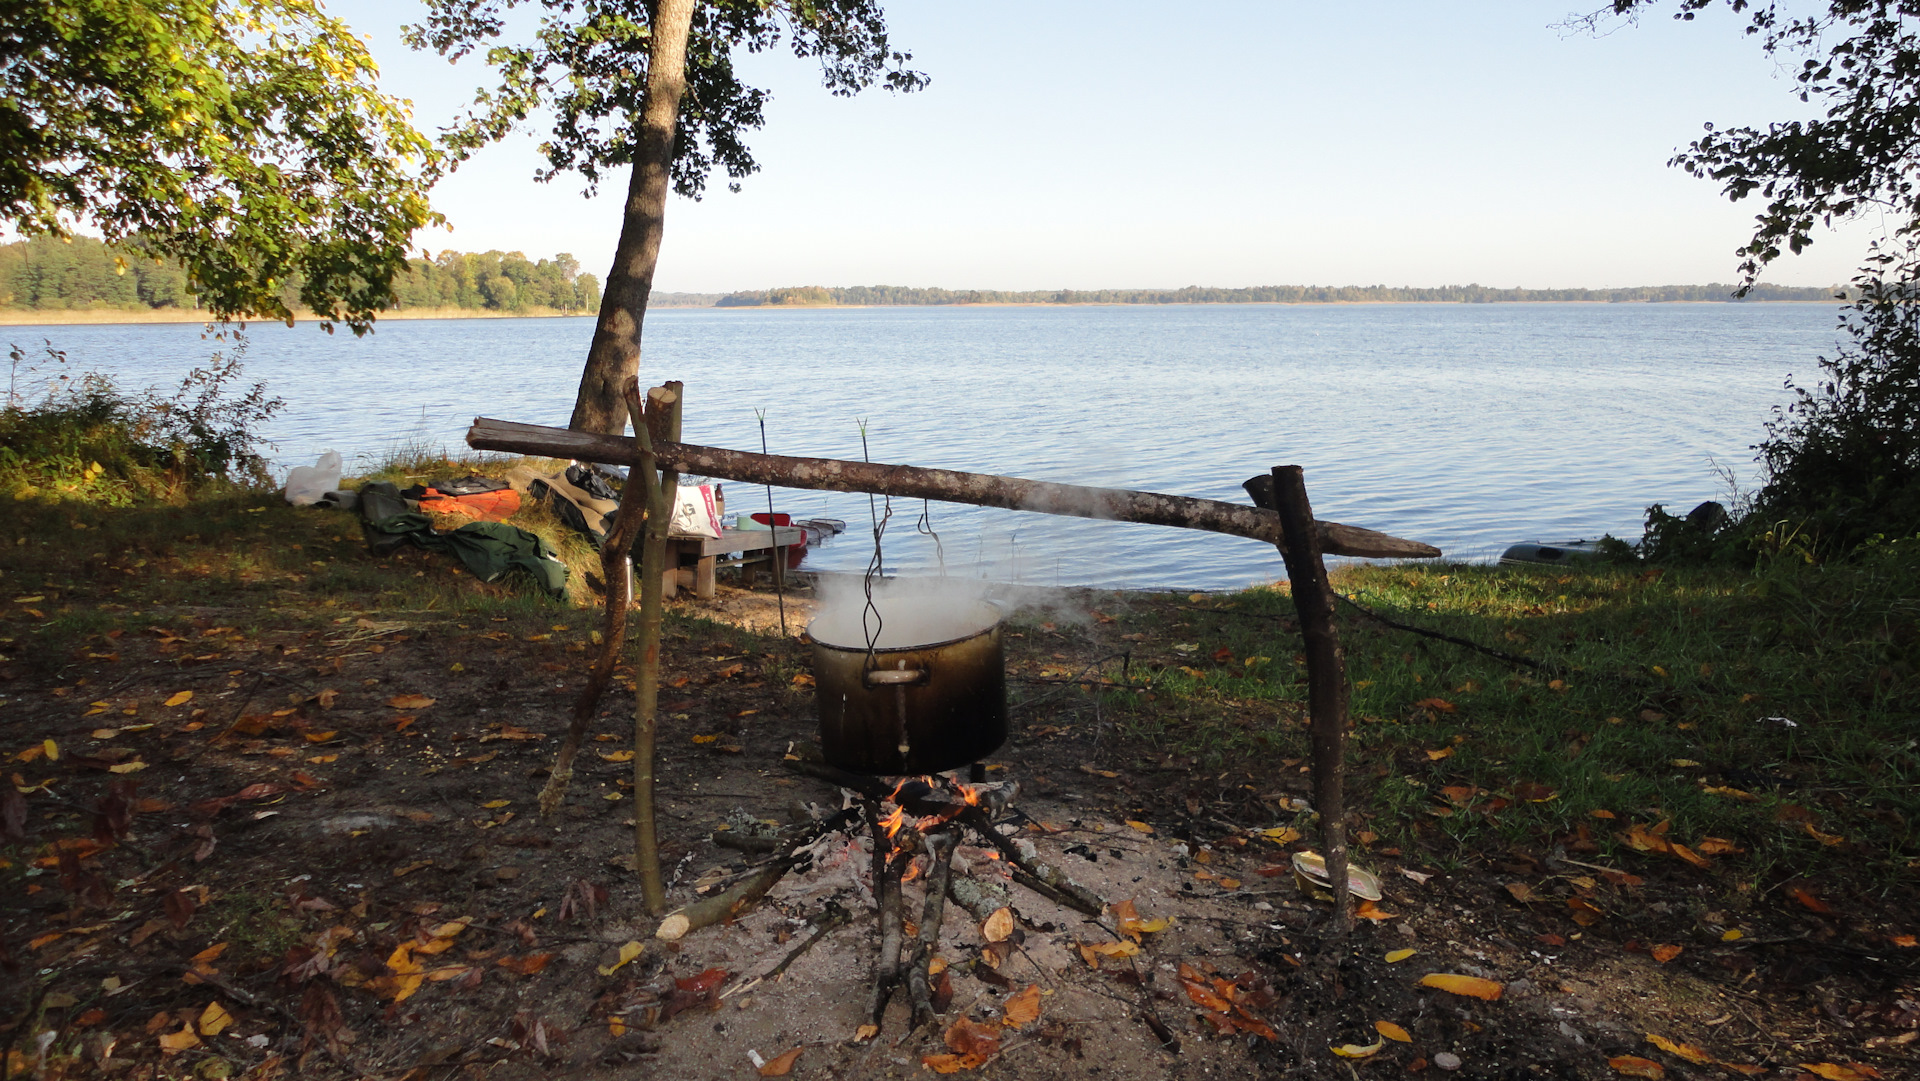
point(613, 361)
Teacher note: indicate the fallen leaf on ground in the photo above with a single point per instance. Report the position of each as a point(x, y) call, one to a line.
point(1471, 986)
point(1663, 953)
point(1392, 1031)
point(1370, 911)
point(1354, 1050)
point(617, 756)
point(173, 1043)
point(1682, 1050)
point(1439, 704)
point(999, 926)
point(1444, 752)
point(214, 1019)
point(1635, 1066)
point(780, 1067)
point(973, 1040)
point(628, 952)
point(1023, 1008)
point(1521, 892)
point(1398, 955)
point(529, 965)
point(1141, 826)
point(1808, 900)
point(179, 698)
point(411, 701)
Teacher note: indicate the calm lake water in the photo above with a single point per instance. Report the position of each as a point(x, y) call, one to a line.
point(1466, 426)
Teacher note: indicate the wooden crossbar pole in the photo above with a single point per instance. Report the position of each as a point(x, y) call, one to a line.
point(947, 485)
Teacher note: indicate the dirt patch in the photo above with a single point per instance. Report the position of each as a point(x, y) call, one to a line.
point(332, 840)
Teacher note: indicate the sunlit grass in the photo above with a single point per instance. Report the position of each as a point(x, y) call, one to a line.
point(1654, 700)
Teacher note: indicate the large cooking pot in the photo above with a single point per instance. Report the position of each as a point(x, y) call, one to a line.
point(929, 695)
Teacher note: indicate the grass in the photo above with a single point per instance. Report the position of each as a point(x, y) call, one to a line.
point(1657, 700)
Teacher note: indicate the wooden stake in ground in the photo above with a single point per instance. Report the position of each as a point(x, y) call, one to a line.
point(662, 422)
point(1326, 666)
point(616, 563)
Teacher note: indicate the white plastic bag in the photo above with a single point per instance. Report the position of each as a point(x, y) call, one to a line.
point(694, 515)
point(307, 483)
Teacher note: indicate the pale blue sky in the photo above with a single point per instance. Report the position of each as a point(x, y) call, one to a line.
point(1087, 145)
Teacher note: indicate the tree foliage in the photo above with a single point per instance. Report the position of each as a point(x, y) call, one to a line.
point(587, 65)
point(1843, 459)
point(245, 138)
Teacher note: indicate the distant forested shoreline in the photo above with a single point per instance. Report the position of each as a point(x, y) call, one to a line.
point(84, 275)
point(861, 295)
point(45, 274)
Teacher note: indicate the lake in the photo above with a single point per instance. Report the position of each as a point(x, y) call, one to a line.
point(1466, 426)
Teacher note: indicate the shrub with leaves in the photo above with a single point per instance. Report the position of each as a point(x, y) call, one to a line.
point(89, 440)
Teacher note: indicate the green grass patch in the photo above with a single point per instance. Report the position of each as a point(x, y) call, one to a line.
point(1771, 709)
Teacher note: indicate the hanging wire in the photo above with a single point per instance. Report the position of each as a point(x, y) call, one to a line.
point(870, 620)
point(779, 550)
point(924, 527)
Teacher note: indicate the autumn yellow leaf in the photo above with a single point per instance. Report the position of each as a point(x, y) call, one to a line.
point(319, 737)
point(411, 701)
point(1354, 1050)
point(865, 1033)
point(179, 698)
point(617, 756)
point(214, 1019)
point(627, 953)
point(1665, 952)
point(706, 739)
point(1394, 956)
point(127, 767)
point(1392, 1031)
point(1141, 826)
point(1023, 1008)
point(1471, 986)
point(999, 926)
point(496, 804)
point(1444, 752)
point(1635, 1066)
point(1732, 935)
point(1681, 1050)
point(50, 749)
point(172, 1043)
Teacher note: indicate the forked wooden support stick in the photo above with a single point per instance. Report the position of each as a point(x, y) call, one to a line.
point(662, 423)
point(1286, 493)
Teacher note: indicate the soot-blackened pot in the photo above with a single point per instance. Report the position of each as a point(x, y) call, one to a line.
point(913, 709)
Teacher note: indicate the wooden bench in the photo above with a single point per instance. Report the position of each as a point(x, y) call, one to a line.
point(693, 561)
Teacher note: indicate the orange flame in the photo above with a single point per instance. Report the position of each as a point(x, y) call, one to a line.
point(893, 822)
point(969, 793)
point(913, 872)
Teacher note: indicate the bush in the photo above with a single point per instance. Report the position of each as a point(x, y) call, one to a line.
point(89, 440)
point(1843, 460)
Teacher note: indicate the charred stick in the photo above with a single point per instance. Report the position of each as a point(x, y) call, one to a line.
point(940, 846)
point(886, 892)
point(834, 918)
point(615, 562)
point(1059, 889)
